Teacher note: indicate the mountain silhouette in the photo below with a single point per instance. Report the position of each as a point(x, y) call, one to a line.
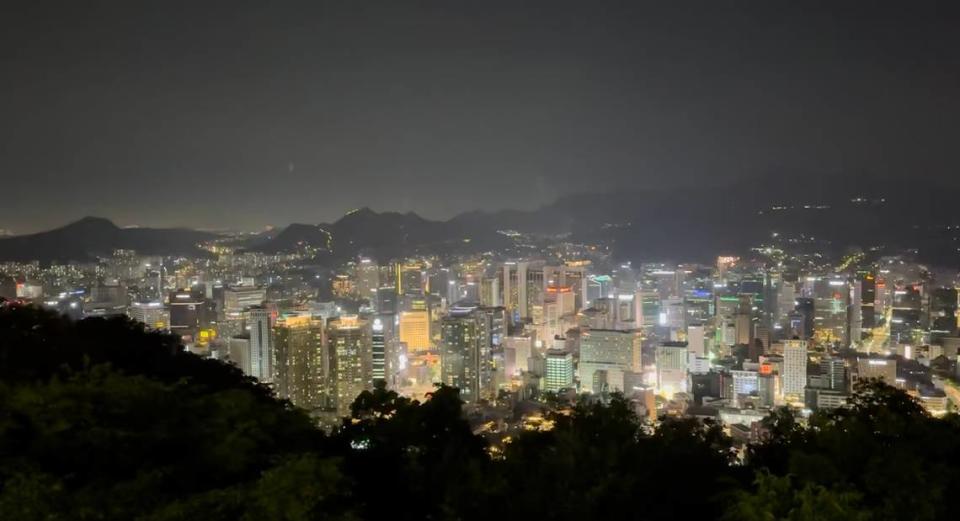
point(91, 237)
point(815, 214)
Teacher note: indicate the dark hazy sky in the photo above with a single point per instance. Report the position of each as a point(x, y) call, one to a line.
point(242, 114)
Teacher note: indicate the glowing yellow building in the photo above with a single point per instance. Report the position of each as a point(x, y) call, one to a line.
point(415, 330)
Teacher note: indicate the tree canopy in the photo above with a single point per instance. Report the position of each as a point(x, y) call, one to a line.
point(102, 420)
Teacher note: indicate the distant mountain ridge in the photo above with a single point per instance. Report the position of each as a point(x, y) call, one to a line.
point(88, 238)
point(801, 213)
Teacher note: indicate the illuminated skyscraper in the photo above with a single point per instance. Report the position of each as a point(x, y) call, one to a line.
point(794, 369)
point(608, 350)
point(299, 367)
point(831, 305)
point(368, 279)
point(943, 310)
point(261, 344)
point(559, 370)
point(415, 325)
point(462, 338)
point(378, 351)
point(906, 316)
point(349, 346)
point(671, 360)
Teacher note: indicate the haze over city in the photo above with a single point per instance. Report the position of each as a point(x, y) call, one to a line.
point(243, 114)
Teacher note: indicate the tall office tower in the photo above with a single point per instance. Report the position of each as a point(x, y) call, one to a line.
point(868, 296)
point(368, 279)
point(393, 358)
point(442, 283)
point(608, 350)
point(152, 314)
point(378, 351)
point(696, 341)
point(855, 312)
point(523, 285)
point(189, 312)
point(907, 313)
point(299, 367)
point(673, 314)
point(943, 310)
point(646, 308)
point(490, 292)
point(884, 297)
point(350, 364)
point(493, 320)
point(463, 337)
point(237, 301)
point(410, 278)
point(415, 325)
point(386, 299)
point(786, 304)
point(834, 373)
point(594, 289)
point(671, 360)
point(238, 348)
point(877, 368)
point(568, 276)
point(743, 321)
point(802, 319)
point(794, 369)
point(516, 353)
point(768, 388)
point(261, 344)
point(559, 370)
point(830, 308)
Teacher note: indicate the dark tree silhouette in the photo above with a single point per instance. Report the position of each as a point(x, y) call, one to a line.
point(101, 420)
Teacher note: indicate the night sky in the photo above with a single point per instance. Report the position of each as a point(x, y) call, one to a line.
point(242, 114)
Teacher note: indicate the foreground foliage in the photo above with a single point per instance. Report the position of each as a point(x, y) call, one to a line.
point(100, 420)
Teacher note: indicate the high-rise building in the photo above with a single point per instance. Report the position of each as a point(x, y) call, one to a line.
point(299, 367)
point(608, 350)
point(386, 299)
point(906, 316)
point(559, 370)
point(462, 344)
point(378, 351)
point(368, 279)
point(830, 308)
point(350, 365)
point(415, 326)
point(943, 310)
point(833, 373)
point(189, 312)
point(261, 344)
point(794, 369)
point(238, 349)
point(671, 360)
point(696, 341)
